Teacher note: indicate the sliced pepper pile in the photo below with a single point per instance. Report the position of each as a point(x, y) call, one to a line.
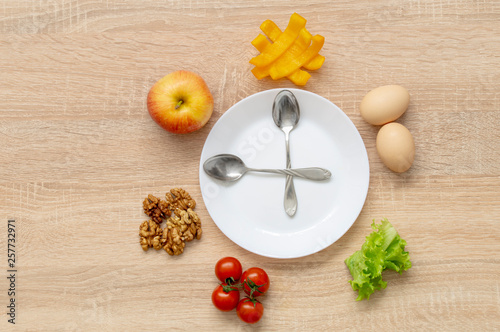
point(287, 52)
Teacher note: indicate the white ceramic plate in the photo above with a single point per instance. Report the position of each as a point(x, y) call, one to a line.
point(250, 211)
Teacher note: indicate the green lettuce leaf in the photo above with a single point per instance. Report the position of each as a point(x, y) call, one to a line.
point(383, 249)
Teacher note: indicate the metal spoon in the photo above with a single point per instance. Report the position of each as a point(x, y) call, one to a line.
point(228, 167)
point(286, 114)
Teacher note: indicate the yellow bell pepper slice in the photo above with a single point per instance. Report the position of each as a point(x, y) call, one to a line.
point(299, 77)
point(315, 63)
point(260, 42)
point(278, 72)
point(284, 41)
point(260, 72)
point(298, 47)
point(272, 31)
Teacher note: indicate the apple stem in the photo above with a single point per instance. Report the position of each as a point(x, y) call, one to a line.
point(179, 104)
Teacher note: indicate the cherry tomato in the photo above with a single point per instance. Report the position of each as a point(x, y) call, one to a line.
point(250, 311)
point(225, 298)
point(255, 281)
point(226, 268)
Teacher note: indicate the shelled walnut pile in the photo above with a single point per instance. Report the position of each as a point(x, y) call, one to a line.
point(182, 223)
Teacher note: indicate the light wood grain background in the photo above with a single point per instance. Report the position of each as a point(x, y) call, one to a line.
point(79, 153)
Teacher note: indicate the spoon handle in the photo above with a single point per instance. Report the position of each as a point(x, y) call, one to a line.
point(310, 173)
point(290, 202)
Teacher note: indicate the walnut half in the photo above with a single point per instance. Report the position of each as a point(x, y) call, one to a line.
point(156, 208)
point(174, 244)
point(148, 231)
point(178, 198)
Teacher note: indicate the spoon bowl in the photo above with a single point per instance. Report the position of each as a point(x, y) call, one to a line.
point(225, 167)
point(286, 110)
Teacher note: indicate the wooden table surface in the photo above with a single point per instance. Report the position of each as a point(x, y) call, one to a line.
point(79, 153)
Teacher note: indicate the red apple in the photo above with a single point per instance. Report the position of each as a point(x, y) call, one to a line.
point(180, 102)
